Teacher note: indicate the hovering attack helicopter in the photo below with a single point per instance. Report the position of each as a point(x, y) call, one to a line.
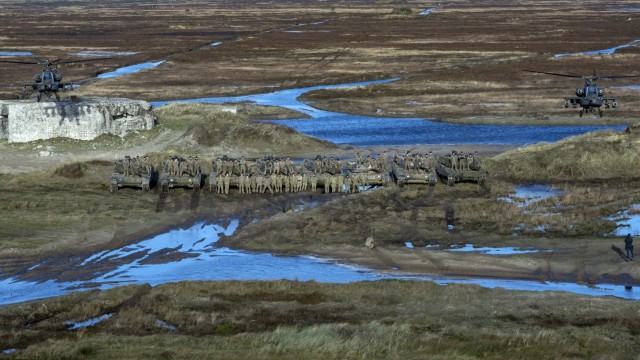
point(590, 97)
point(49, 82)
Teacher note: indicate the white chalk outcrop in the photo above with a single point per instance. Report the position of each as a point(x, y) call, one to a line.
point(82, 118)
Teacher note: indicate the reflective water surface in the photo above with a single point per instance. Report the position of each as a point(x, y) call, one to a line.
point(15, 53)
point(628, 221)
point(494, 250)
point(601, 52)
point(367, 130)
point(528, 194)
point(129, 69)
point(82, 324)
point(192, 254)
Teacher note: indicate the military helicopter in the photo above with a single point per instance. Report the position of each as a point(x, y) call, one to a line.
point(49, 81)
point(591, 97)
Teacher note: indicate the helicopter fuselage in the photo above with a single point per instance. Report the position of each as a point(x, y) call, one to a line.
point(590, 98)
point(48, 82)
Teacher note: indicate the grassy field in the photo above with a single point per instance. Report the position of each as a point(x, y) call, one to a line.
point(284, 319)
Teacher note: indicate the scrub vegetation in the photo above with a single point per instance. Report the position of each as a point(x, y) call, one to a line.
point(289, 319)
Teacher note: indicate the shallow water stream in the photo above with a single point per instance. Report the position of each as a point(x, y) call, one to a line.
point(192, 254)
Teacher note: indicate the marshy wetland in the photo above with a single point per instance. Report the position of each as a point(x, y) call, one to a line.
point(522, 267)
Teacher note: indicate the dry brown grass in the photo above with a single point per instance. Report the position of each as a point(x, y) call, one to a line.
point(366, 320)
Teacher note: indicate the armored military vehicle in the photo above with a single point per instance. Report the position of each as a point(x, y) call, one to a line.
point(474, 173)
point(128, 173)
point(179, 172)
point(417, 172)
point(369, 175)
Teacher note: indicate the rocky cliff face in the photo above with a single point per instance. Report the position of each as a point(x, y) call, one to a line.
point(83, 119)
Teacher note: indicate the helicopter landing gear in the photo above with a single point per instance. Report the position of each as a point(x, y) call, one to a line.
point(600, 112)
point(57, 97)
point(581, 112)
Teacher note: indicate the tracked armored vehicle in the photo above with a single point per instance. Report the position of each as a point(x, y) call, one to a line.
point(132, 176)
point(180, 173)
point(418, 173)
point(369, 175)
point(474, 173)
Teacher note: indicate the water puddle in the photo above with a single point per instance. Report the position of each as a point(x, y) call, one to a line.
point(632, 87)
point(9, 351)
point(358, 130)
point(165, 325)
point(601, 52)
point(100, 53)
point(528, 194)
point(192, 254)
point(494, 251)
point(408, 245)
point(428, 11)
point(82, 324)
point(628, 221)
point(625, 9)
point(217, 43)
point(129, 69)
point(15, 53)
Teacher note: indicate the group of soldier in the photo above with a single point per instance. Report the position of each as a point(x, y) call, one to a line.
point(174, 166)
point(135, 166)
point(462, 162)
point(416, 162)
point(377, 163)
point(292, 183)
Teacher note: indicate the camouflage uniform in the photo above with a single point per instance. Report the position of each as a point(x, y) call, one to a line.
point(227, 179)
point(127, 166)
point(454, 160)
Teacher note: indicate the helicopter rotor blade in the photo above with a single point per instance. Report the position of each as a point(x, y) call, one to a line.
point(556, 74)
point(19, 62)
point(618, 76)
point(79, 61)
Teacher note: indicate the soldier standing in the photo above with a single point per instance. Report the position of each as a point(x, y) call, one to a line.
point(358, 159)
point(241, 184)
point(148, 165)
point(314, 182)
point(334, 184)
point(347, 182)
point(432, 161)
point(189, 166)
point(227, 180)
point(628, 246)
point(454, 160)
point(196, 166)
point(126, 165)
point(243, 166)
point(220, 185)
point(462, 161)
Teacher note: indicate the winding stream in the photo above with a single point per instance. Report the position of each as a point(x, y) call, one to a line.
point(359, 130)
